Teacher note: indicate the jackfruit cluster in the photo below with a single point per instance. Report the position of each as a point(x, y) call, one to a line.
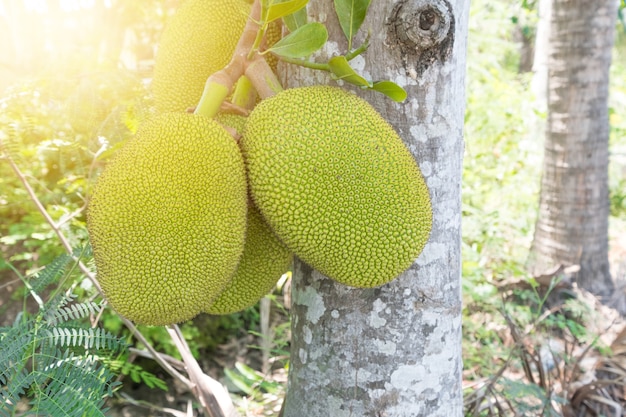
point(186, 219)
point(336, 184)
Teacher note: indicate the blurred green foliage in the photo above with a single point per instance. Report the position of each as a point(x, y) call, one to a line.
point(54, 130)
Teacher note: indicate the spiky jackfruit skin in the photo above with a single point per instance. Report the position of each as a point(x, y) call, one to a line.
point(234, 121)
point(198, 40)
point(167, 219)
point(273, 35)
point(265, 259)
point(336, 184)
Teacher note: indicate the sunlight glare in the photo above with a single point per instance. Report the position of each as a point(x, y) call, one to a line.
point(76, 5)
point(40, 34)
point(38, 6)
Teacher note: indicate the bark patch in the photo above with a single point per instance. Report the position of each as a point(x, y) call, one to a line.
point(423, 32)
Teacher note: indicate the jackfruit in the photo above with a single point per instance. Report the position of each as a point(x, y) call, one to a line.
point(263, 262)
point(198, 40)
point(167, 219)
point(337, 185)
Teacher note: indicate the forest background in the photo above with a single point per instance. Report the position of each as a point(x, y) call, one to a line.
point(66, 101)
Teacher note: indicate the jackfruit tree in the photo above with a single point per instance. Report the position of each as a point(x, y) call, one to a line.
point(361, 188)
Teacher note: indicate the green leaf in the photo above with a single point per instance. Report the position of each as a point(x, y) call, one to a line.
point(276, 10)
point(342, 70)
point(391, 90)
point(351, 14)
point(302, 42)
point(239, 381)
point(296, 20)
point(248, 372)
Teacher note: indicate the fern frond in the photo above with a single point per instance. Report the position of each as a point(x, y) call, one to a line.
point(50, 274)
point(86, 338)
point(71, 386)
point(55, 304)
point(85, 252)
point(54, 358)
point(14, 344)
point(11, 392)
point(71, 312)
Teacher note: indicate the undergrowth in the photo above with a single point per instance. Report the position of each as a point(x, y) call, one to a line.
point(530, 347)
point(54, 361)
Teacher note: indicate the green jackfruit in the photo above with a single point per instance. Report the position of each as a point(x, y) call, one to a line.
point(265, 259)
point(197, 41)
point(167, 219)
point(336, 184)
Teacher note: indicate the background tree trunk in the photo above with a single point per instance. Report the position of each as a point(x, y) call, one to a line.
point(572, 226)
point(394, 350)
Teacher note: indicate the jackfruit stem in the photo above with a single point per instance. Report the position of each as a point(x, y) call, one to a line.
point(307, 64)
point(244, 95)
point(218, 85)
point(245, 61)
point(250, 32)
point(263, 78)
point(324, 66)
point(257, 42)
point(358, 51)
point(255, 67)
point(212, 97)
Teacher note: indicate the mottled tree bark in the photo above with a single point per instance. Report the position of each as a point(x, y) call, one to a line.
point(572, 226)
point(394, 350)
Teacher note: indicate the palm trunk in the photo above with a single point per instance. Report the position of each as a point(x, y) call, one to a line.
point(572, 226)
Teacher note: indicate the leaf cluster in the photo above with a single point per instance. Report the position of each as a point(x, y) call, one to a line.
point(305, 38)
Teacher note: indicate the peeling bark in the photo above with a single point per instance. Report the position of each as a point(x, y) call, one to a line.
point(394, 350)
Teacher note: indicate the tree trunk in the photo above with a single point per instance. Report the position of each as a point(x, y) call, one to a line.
point(572, 226)
point(394, 350)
